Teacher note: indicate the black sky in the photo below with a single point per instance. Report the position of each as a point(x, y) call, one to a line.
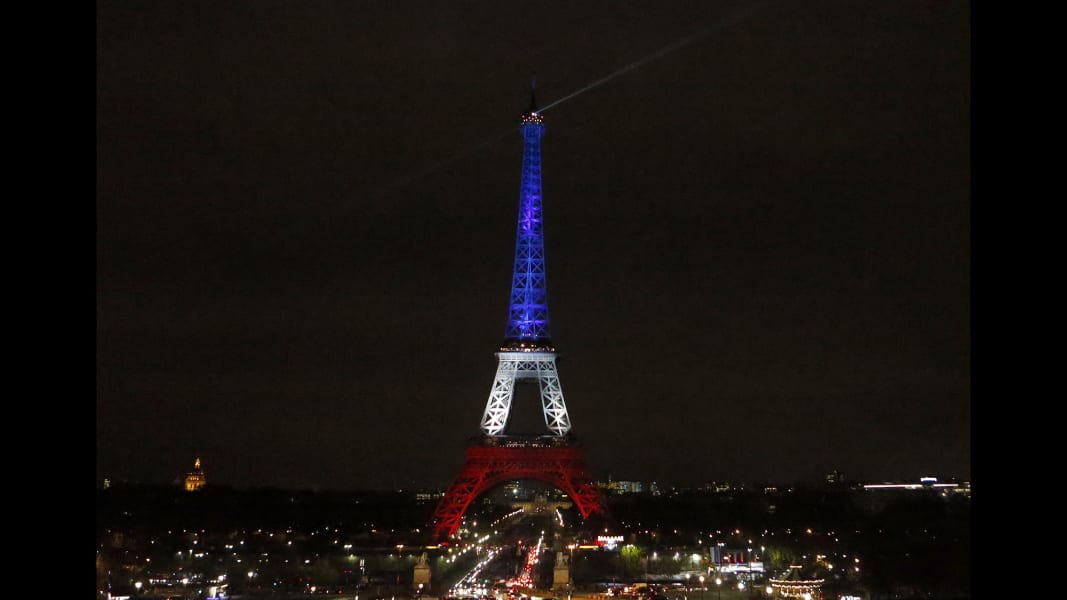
point(757, 244)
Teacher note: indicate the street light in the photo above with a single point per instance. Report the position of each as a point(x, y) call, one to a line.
point(701, 587)
point(718, 588)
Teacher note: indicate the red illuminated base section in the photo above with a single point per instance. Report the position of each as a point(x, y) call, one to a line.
point(556, 461)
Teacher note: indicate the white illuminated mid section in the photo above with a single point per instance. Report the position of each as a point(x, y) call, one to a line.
point(517, 366)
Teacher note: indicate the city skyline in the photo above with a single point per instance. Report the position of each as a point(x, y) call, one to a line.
point(757, 242)
point(195, 479)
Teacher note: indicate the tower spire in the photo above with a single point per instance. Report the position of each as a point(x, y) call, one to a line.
point(533, 95)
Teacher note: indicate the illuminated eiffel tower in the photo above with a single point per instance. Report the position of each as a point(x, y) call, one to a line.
point(527, 354)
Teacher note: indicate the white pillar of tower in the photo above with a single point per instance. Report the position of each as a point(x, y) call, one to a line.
point(513, 366)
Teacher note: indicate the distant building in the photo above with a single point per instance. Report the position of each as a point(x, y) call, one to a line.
point(924, 483)
point(541, 504)
point(514, 489)
point(621, 487)
point(876, 496)
point(194, 480)
point(834, 478)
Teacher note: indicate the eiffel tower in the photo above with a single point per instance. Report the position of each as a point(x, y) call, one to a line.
point(527, 354)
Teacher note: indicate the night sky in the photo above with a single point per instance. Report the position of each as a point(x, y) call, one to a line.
point(757, 242)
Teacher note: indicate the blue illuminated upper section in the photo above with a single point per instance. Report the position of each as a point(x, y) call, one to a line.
point(528, 311)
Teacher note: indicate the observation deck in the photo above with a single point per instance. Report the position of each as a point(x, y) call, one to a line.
point(524, 441)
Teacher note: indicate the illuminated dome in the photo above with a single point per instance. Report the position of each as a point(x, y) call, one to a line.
point(194, 480)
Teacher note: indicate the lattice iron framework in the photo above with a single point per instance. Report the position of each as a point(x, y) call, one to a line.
point(558, 462)
point(527, 354)
point(528, 310)
point(516, 366)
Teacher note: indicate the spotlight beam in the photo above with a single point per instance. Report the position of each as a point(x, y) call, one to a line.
point(681, 43)
point(694, 37)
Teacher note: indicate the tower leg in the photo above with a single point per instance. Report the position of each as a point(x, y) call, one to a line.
point(467, 486)
point(555, 409)
point(498, 407)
